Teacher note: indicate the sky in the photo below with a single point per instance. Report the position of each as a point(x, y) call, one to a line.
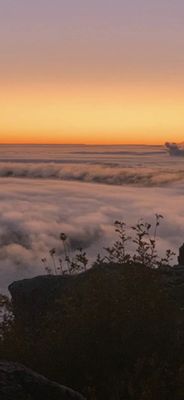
point(101, 71)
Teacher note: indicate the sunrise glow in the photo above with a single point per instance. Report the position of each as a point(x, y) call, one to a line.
point(90, 115)
point(100, 80)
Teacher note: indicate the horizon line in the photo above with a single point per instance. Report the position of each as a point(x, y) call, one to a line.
point(80, 144)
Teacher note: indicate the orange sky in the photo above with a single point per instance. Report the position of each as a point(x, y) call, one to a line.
point(91, 114)
point(91, 72)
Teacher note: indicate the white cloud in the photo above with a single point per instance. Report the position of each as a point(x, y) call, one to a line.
point(34, 212)
point(155, 174)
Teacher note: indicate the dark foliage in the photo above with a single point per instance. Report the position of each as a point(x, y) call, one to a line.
point(142, 237)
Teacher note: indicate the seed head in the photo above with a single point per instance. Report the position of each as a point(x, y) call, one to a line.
point(63, 237)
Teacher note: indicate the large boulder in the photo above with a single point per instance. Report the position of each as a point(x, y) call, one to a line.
point(20, 383)
point(34, 298)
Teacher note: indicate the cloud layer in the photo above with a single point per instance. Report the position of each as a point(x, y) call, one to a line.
point(111, 174)
point(34, 212)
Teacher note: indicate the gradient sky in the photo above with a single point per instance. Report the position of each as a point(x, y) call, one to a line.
point(82, 71)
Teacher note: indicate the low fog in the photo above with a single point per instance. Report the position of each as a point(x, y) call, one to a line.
point(34, 212)
point(156, 173)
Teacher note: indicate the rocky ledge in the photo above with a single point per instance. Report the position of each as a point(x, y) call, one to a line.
point(20, 383)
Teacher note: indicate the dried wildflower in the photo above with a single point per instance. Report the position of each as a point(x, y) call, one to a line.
point(52, 252)
point(63, 236)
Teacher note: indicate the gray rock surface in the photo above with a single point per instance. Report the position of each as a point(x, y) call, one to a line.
point(20, 383)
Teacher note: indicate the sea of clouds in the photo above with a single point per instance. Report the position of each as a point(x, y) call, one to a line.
point(105, 173)
point(82, 190)
point(33, 212)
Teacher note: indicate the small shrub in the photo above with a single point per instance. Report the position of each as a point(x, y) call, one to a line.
point(6, 315)
point(144, 241)
point(142, 237)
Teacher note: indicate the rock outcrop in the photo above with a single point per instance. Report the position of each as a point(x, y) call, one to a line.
point(20, 383)
point(181, 255)
point(102, 331)
point(34, 298)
